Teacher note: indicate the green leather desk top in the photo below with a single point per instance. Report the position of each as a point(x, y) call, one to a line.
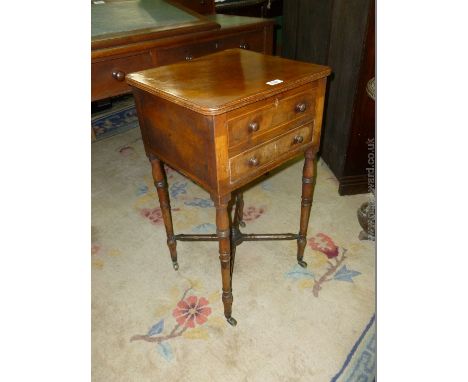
point(124, 17)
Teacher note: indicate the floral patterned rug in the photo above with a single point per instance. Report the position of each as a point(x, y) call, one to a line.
point(151, 323)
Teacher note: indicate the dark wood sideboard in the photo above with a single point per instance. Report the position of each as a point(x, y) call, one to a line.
point(341, 34)
point(164, 33)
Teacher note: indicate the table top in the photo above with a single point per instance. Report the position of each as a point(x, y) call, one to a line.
point(224, 81)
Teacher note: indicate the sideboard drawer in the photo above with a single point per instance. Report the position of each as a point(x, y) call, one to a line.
point(267, 115)
point(267, 154)
point(186, 52)
point(108, 77)
point(250, 40)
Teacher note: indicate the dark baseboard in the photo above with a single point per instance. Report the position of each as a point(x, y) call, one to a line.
point(352, 185)
point(101, 105)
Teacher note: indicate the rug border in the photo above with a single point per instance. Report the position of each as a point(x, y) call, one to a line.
point(353, 349)
point(111, 112)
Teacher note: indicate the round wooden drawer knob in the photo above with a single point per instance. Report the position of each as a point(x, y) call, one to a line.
point(254, 162)
point(298, 139)
point(118, 75)
point(253, 127)
point(301, 107)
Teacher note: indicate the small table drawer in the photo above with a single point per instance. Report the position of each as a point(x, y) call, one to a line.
point(108, 77)
point(269, 114)
point(267, 154)
point(186, 52)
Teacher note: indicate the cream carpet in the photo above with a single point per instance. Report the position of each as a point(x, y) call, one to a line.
point(294, 324)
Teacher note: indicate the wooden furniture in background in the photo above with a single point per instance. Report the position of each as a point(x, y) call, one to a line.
point(256, 8)
point(204, 7)
point(339, 33)
point(225, 128)
point(253, 8)
point(134, 35)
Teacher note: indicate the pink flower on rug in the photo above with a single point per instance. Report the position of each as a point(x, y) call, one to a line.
point(324, 244)
point(192, 310)
point(252, 213)
point(153, 214)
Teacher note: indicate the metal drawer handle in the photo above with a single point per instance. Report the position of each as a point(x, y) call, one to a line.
point(298, 139)
point(188, 57)
point(118, 75)
point(244, 45)
point(301, 107)
point(254, 162)
point(253, 127)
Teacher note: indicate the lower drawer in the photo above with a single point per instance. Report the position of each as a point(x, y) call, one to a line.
point(108, 77)
point(266, 155)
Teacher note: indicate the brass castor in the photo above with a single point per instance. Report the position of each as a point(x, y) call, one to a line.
point(232, 321)
point(175, 264)
point(302, 263)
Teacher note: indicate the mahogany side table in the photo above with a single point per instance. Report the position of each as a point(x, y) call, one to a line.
point(224, 120)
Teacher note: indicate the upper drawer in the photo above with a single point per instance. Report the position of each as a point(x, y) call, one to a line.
point(108, 77)
point(187, 52)
point(269, 154)
point(257, 120)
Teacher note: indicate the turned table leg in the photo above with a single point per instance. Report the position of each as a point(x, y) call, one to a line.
point(159, 177)
point(239, 211)
point(236, 221)
point(306, 203)
point(223, 231)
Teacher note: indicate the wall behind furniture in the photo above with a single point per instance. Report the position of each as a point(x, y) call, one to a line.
point(339, 33)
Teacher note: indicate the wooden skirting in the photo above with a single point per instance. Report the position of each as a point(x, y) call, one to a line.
point(351, 185)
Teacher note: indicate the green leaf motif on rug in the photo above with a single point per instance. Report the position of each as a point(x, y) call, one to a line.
point(165, 349)
point(345, 274)
point(157, 328)
point(298, 273)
